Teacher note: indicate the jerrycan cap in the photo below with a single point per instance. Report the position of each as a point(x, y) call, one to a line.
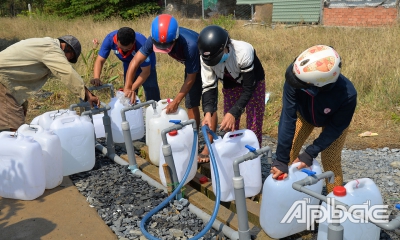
point(203, 179)
point(173, 132)
point(280, 177)
point(339, 191)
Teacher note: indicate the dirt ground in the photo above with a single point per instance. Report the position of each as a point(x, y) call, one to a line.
point(388, 131)
point(387, 137)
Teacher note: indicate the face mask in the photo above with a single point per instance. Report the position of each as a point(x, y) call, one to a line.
point(224, 57)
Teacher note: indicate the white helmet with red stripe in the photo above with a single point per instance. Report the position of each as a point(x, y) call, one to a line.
point(319, 65)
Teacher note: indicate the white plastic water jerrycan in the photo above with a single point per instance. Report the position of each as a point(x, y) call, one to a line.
point(77, 142)
point(52, 152)
point(134, 117)
point(181, 142)
point(35, 120)
point(47, 118)
point(364, 196)
point(98, 125)
point(226, 150)
point(156, 124)
point(22, 171)
point(150, 113)
point(279, 197)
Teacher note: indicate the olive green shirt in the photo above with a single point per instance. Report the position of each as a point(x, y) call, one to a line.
point(26, 66)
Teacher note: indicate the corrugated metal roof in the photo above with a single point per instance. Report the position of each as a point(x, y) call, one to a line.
point(291, 11)
point(359, 3)
point(239, 2)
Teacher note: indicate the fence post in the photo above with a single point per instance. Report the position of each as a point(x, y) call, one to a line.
point(321, 15)
point(30, 10)
point(202, 8)
point(397, 8)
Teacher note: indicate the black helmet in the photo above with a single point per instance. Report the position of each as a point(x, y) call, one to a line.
point(74, 43)
point(211, 43)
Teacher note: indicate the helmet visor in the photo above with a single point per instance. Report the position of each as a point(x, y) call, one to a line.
point(212, 60)
point(162, 47)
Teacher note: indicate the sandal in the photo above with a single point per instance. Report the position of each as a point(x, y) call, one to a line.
point(203, 158)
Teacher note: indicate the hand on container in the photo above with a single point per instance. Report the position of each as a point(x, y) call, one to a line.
point(129, 93)
point(94, 101)
point(96, 82)
point(276, 173)
point(228, 123)
point(171, 107)
point(301, 165)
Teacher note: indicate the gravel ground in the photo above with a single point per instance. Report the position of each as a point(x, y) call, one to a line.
point(123, 199)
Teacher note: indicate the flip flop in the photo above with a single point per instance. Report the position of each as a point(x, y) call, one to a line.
point(203, 158)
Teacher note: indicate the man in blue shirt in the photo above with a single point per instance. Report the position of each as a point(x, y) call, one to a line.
point(125, 43)
point(181, 44)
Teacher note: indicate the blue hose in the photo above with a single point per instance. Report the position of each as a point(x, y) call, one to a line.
point(204, 130)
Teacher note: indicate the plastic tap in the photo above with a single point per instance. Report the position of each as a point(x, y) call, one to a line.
point(308, 172)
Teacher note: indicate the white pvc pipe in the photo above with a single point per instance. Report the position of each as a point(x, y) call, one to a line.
point(149, 180)
point(219, 226)
point(114, 157)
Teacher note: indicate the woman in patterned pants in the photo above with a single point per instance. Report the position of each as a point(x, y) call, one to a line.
point(236, 64)
point(315, 94)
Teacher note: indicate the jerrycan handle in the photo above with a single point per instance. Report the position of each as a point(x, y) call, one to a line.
point(308, 172)
point(68, 119)
point(31, 127)
point(293, 168)
point(234, 134)
point(350, 186)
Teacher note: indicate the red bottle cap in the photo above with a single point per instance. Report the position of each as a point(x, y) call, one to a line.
point(339, 191)
point(203, 179)
point(280, 177)
point(173, 133)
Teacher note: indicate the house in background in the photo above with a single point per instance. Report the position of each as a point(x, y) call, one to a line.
point(330, 12)
point(289, 11)
point(364, 13)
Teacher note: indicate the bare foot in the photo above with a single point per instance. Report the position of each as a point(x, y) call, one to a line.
point(203, 158)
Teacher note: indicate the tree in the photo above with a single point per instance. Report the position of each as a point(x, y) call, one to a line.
point(101, 9)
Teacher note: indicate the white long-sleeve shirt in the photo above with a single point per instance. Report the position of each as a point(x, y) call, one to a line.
point(242, 67)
